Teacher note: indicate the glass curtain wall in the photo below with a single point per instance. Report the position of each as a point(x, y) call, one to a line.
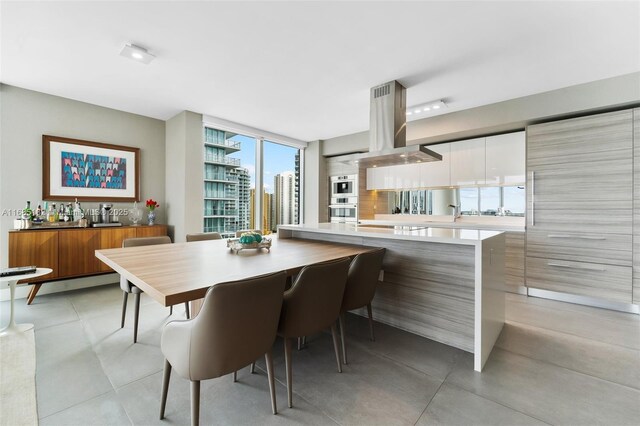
point(228, 174)
point(230, 183)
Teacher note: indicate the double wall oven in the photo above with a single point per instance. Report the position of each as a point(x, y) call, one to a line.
point(343, 205)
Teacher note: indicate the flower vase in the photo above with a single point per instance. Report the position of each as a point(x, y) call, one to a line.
point(151, 218)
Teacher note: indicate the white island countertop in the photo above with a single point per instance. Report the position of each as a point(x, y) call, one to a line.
point(416, 233)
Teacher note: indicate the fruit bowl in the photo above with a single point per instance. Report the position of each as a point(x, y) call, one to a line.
point(236, 246)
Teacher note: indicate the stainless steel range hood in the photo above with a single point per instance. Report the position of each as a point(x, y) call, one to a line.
point(387, 131)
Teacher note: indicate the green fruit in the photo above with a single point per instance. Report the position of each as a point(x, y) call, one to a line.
point(257, 237)
point(246, 238)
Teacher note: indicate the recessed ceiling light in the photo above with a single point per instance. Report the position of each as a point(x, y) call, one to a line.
point(417, 111)
point(436, 107)
point(403, 155)
point(375, 165)
point(408, 112)
point(137, 53)
point(427, 109)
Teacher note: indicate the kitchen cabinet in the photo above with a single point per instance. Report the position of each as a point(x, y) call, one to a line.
point(437, 173)
point(505, 159)
point(580, 206)
point(70, 252)
point(636, 206)
point(468, 162)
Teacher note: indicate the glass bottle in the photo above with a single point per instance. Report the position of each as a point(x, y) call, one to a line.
point(27, 213)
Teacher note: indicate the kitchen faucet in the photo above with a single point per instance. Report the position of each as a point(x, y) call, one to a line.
point(456, 211)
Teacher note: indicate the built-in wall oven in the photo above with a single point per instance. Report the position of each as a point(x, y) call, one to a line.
point(343, 204)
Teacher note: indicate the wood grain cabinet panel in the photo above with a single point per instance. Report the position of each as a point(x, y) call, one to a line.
point(76, 252)
point(38, 248)
point(514, 262)
point(151, 231)
point(580, 206)
point(636, 206)
point(112, 238)
point(597, 280)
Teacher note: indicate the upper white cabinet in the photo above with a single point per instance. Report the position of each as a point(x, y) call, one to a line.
point(505, 159)
point(468, 162)
point(436, 173)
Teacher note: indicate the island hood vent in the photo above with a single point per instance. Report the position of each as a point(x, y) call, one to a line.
point(387, 131)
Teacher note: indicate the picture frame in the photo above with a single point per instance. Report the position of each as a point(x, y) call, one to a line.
point(89, 171)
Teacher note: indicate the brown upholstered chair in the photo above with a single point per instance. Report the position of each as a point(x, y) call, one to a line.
point(360, 289)
point(236, 325)
point(312, 305)
point(206, 236)
point(127, 287)
point(239, 233)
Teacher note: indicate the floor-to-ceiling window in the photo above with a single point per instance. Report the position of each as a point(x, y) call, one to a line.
point(230, 192)
point(229, 164)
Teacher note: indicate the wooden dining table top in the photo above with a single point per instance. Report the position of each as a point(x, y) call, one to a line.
point(182, 272)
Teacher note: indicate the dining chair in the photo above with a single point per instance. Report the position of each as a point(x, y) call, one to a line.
point(362, 280)
point(236, 325)
point(205, 236)
point(311, 305)
point(127, 287)
point(239, 233)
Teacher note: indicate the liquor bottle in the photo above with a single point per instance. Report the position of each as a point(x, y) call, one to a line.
point(77, 211)
point(27, 213)
point(51, 213)
point(67, 216)
point(60, 215)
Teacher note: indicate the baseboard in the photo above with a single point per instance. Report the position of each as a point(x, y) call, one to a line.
point(583, 300)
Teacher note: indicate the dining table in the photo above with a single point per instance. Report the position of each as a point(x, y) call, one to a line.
point(183, 272)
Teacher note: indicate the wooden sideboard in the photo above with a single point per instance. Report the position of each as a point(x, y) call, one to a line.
point(70, 252)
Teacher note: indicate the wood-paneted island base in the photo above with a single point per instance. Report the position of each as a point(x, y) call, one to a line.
point(70, 252)
point(444, 284)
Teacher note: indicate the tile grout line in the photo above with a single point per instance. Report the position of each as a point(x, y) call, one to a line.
point(569, 334)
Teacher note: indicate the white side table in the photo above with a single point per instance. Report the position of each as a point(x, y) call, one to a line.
point(12, 281)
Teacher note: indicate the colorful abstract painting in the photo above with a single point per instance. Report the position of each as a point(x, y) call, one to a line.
point(79, 170)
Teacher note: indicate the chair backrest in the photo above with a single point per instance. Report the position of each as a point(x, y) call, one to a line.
point(203, 237)
point(136, 242)
point(239, 233)
point(313, 302)
point(236, 325)
point(362, 279)
point(145, 241)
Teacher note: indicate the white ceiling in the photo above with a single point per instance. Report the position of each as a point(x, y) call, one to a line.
point(304, 69)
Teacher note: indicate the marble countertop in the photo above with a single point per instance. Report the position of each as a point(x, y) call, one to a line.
point(404, 232)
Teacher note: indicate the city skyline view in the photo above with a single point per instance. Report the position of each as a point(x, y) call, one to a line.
point(278, 159)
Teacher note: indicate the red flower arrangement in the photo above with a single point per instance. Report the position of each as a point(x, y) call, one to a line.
point(151, 204)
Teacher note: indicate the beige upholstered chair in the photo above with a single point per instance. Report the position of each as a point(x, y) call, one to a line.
point(312, 305)
point(237, 324)
point(127, 287)
point(239, 233)
point(361, 287)
point(206, 236)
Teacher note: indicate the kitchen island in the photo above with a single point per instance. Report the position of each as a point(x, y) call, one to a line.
point(441, 283)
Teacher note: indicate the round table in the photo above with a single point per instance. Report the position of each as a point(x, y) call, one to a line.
point(12, 281)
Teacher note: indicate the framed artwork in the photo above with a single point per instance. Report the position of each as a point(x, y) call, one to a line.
point(89, 171)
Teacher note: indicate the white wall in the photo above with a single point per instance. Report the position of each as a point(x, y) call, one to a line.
point(27, 115)
point(185, 174)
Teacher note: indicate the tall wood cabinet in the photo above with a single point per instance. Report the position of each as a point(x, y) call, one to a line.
point(580, 206)
point(636, 206)
point(70, 252)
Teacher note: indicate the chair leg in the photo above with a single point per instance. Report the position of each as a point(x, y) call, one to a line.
point(195, 402)
point(235, 376)
point(124, 307)
point(344, 346)
point(287, 360)
point(171, 310)
point(166, 376)
point(136, 314)
point(373, 338)
point(336, 345)
point(272, 383)
point(253, 367)
point(186, 308)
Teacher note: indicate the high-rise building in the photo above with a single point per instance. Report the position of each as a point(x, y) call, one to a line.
point(284, 198)
point(267, 206)
point(226, 185)
point(297, 188)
